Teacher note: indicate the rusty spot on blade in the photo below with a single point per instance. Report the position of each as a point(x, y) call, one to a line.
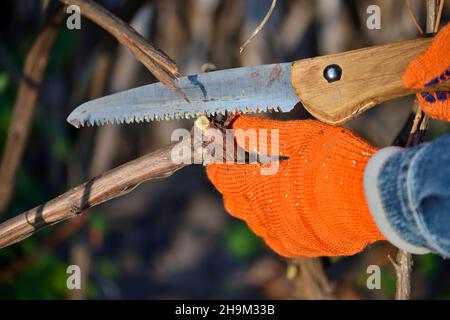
point(274, 75)
point(255, 75)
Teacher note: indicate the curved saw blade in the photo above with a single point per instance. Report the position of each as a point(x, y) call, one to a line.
point(247, 89)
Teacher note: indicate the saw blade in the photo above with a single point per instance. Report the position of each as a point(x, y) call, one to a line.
point(248, 89)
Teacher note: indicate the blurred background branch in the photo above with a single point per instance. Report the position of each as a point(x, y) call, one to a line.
point(259, 27)
point(153, 58)
point(22, 116)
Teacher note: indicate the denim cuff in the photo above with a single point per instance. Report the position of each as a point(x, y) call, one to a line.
point(385, 187)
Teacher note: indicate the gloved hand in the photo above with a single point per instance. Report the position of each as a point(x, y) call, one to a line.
point(431, 67)
point(315, 204)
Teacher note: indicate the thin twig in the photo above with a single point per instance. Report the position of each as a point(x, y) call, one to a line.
point(27, 95)
point(431, 6)
point(413, 16)
point(402, 265)
point(154, 59)
point(439, 16)
point(416, 126)
point(259, 27)
point(311, 280)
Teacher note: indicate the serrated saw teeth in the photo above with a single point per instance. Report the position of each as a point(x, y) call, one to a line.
point(90, 121)
point(76, 123)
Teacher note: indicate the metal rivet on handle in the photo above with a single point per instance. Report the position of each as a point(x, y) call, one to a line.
point(332, 73)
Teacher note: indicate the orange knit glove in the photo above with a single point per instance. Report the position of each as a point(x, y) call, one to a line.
point(430, 68)
point(315, 204)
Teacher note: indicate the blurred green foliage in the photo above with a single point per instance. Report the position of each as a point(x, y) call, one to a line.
point(43, 278)
point(63, 49)
point(4, 81)
point(388, 282)
point(98, 222)
point(61, 147)
point(428, 265)
point(241, 242)
point(6, 102)
point(107, 269)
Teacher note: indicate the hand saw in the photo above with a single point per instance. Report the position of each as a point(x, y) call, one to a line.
point(333, 88)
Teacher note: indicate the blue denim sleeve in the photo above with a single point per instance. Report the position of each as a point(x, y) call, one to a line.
point(409, 195)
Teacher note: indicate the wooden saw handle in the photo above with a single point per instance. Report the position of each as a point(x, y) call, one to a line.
point(369, 77)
